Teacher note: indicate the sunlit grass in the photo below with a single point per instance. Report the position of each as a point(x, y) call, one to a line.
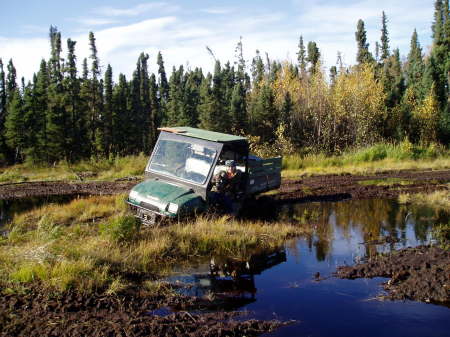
point(59, 246)
point(372, 159)
point(436, 200)
point(377, 158)
point(94, 169)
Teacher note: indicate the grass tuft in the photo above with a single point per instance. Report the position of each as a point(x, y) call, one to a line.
point(439, 200)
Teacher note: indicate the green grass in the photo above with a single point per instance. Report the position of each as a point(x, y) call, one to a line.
point(441, 234)
point(376, 158)
point(94, 169)
point(379, 157)
point(95, 243)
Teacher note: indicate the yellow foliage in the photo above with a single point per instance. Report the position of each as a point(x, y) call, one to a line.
point(426, 117)
point(359, 105)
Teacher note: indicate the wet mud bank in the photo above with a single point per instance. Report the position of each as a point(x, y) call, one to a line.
point(39, 313)
point(382, 185)
point(315, 188)
point(421, 273)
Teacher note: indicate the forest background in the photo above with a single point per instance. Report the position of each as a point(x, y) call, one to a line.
point(64, 114)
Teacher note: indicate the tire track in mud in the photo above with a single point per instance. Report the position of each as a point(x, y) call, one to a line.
point(304, 189)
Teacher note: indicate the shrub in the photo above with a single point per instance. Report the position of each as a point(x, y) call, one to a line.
point(121, 229)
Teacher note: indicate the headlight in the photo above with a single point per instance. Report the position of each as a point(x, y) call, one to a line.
point(173, 208)
point(134, 195)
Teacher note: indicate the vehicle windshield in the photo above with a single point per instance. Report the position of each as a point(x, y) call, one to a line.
point(184, 160)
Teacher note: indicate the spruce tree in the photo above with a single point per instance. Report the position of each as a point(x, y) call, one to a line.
point(76, 135)
point(146, 113)
point(363, 55)
point(264, 114)
point(191, 97)
point(313, 56)
point(3, 111)
point(175, 113)
point(155, 111)
point(239, 54)
point(133, 135)
point(163, 87)
point(257, 69)
point(120, 120)
point(95, 99)
point(107, 130)
point(415, 67)
point(2, 96)
point(15, 132)
point(11, 81)
point(56, 116)
point(41, 87)
point(238, 111)
point(301, 57)
point(384, 38)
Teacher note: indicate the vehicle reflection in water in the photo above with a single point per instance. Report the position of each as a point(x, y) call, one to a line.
point(344, 232)
point(230, 282)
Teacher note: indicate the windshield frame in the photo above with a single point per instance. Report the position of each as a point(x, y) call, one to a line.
point(190, 140)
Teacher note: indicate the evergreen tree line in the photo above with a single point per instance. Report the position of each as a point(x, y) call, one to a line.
point(67, 114)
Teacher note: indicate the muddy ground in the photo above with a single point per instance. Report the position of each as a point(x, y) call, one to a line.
point(315, 188)
point(421, 274)
point(39, 313)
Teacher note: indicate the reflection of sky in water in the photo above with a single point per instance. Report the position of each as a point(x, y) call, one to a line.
point(335, 307)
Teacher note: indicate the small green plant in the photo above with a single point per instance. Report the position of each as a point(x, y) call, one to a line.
point(120, 229)
point(441, 234)
point(47, 229)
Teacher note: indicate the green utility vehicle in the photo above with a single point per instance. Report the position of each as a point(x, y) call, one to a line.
point(179, 175)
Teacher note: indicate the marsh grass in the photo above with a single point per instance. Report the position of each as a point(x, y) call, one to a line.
point(94, 243)
point(376, 158)
point(93, 169)
point(438, 200)
point(441, 234)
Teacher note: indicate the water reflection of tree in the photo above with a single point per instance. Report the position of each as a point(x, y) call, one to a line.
point(373, 219)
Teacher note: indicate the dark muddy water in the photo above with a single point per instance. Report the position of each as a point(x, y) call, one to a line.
point(283, 285)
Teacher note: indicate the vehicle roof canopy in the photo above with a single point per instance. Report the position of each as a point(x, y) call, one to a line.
point(204, 134)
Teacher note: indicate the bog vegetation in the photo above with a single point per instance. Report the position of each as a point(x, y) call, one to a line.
point(289, 108)
point(95, 244)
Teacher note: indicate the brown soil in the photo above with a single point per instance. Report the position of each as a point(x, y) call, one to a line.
point(421, 273)
point(340, 187)
point(315, 188)
point(39, 313)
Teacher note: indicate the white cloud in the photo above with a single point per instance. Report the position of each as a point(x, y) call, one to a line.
point(136, 10)
point(25, 53)
point(95, 21)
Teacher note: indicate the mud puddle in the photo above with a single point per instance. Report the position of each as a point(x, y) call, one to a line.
point(296, 282)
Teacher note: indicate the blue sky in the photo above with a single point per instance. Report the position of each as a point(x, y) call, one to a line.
point(182, 29)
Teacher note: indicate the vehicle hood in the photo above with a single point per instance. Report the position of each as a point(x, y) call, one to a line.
point(158, 193)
